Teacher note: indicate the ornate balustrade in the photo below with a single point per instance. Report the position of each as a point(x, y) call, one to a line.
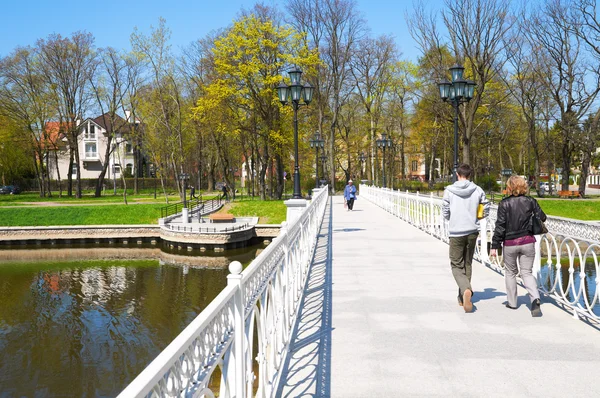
point(566, 261)
point(237, 345)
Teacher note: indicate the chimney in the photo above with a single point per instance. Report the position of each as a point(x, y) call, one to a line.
point(77, 122)
point(127, 113)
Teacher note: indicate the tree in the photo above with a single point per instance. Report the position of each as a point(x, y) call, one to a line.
point(248, 63)
point(69, 65)
point(110, 87)
point(565, 72)
point(162, 110)
point(27, 100)
point(371, 69)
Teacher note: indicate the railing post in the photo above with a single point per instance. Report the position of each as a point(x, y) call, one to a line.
point(483, 239)
point(537, 260)
point(235, 279)
point(431, 218)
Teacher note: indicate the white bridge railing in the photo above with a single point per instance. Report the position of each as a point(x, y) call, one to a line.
point(566, 261)
point(236, 346)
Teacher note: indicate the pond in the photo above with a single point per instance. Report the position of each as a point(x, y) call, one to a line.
point(548, 278)
point(86, 328)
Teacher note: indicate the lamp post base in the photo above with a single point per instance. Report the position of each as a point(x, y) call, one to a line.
point(295, 207)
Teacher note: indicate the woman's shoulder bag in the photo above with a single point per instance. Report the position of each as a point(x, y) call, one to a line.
point(536, 225)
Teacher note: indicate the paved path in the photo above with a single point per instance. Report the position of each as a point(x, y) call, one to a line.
point(380, 319)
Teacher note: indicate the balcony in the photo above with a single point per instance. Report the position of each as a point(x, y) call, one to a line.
point(91, 156)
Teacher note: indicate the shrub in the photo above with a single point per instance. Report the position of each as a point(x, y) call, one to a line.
point(487, 183)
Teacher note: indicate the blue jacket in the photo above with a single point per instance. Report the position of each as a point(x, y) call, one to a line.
point(350, 192)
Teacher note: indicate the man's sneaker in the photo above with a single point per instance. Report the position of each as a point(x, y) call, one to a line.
point(536, 311)
point(467, 305)
point(460, 302)
point(510, 306)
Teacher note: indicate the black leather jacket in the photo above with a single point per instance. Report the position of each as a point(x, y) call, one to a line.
point(513, 220)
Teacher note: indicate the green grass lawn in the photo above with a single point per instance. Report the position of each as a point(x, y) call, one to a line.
point(88, 198)
point(80, 215)
point(572, 208)
point(268, 212)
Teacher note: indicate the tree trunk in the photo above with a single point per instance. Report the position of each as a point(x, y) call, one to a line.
point(70, 175)
point(566, 163)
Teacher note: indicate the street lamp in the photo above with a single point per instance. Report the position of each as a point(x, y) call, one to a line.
point(323, 162)
point(317, 142)
point(362, 158)
point(383, 143)
point(184, 177)
point(456, 92)
point(294, 93)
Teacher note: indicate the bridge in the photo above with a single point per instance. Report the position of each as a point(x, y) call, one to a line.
point(363, 303)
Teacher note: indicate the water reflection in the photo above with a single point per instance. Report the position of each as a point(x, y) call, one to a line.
point(87, 328)
point(548, 277)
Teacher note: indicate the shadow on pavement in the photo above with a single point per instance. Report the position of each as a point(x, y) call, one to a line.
point(307, 369)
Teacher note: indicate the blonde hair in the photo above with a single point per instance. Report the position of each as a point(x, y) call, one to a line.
point(516, 186)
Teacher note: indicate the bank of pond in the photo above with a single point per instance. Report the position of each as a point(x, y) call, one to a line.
point(84, 322)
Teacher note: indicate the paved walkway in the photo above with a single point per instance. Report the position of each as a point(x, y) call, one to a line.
point(380, 318)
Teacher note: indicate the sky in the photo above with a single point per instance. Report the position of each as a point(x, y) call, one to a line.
point(112, 22)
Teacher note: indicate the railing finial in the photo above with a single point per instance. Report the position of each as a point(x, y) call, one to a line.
point(235, 267)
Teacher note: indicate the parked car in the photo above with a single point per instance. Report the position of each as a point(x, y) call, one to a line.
point(545, 186)
point(10, 189)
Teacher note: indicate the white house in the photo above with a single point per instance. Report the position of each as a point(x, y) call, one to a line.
point(93, 140)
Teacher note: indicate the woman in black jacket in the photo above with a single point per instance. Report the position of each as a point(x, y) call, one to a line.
point(514, 232)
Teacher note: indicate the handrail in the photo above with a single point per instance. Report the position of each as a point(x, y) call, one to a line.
point(261, 301)
point(193, 204)
point(559, 253)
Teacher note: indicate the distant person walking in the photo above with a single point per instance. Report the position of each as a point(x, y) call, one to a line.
point(193, 193)
point(514, 232)
point(350, 195)
point(460, 206)
point(225, 192)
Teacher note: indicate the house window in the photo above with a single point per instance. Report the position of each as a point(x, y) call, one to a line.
point(414, 165)
point(90, 150)
point(117, 169)
point(74, 169)
point(92, 132)
point(128, 148)
point(129, 169)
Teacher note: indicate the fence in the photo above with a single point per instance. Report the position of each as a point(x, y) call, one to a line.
point(196, 206)
point(566, 262)
point(198, 228)
point(261, 302)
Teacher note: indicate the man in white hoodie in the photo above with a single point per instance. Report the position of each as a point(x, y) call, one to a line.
point(460, 204)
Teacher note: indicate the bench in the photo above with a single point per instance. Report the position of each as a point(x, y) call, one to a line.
point(221, 217)
point(568, 194)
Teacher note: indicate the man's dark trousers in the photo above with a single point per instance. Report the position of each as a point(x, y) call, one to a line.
point(462, 249)
point(350, 203)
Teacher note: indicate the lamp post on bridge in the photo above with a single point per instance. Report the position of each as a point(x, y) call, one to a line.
point(362, 158)
point(383, 143)
point(317, 142)
point(457, 92)
point(294, 93)
point(323, 162)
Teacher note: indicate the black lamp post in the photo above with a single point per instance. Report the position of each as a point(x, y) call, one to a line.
point(456, 92)
point(184, 177)
point(294, 93)
point(323, 161)
point(383, 143)
point(362, 158)
point(317, 142)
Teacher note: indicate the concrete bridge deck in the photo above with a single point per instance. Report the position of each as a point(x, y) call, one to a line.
point(380, 318)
